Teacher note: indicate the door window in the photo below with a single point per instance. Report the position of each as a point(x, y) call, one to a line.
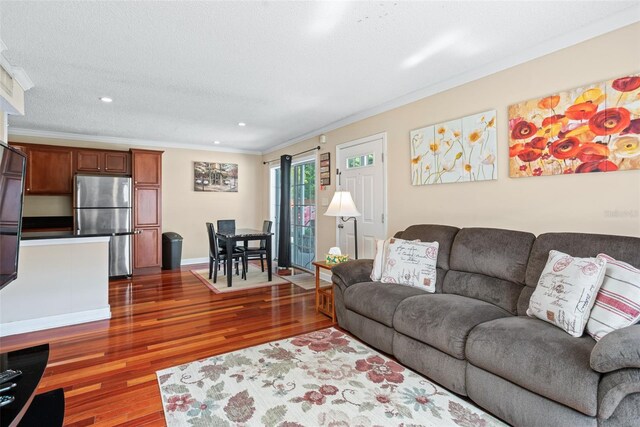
point(360, 161)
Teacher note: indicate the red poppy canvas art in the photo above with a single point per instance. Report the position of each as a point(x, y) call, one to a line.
point(595, 128)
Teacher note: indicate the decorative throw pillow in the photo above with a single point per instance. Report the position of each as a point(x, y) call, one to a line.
point(618, 300)
point(567, 290)
point(411, 263)
point(379, 258)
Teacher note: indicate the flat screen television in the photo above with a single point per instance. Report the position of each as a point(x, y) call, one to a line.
point(12, 169)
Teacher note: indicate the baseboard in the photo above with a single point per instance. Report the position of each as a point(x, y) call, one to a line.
point(190, 261)
point(48, 322)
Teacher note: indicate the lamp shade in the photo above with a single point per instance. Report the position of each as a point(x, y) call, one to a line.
point(342, 205)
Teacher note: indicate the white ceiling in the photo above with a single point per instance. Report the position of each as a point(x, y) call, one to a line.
point(185, 73)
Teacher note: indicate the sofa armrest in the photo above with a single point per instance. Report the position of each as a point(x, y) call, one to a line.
point(617, 350)
point(351, 272)
point(614, 387)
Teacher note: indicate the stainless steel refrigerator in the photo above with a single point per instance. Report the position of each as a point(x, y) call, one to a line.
point(102, 204)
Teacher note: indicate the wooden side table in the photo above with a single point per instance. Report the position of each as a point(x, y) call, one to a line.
point(324, 296)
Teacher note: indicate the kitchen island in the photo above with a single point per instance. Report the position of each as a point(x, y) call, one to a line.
point(63, 279)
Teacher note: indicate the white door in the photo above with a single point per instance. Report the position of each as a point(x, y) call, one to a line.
point(362, 172)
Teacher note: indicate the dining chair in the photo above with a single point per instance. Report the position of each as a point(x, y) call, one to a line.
point(217, 256)
point(258, 252)
point(227, 226)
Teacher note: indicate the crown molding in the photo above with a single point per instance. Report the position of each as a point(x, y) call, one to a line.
point(21, 77)
point(19, 74)
point(13, 131)
point(607, 24)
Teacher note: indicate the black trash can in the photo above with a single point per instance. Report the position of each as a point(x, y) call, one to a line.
point(171, 250)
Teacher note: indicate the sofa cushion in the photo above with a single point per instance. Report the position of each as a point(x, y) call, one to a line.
point(431, 362)
point(626, 249)
point(519, 406)
point(539, 357)
point(498, 253)
point(502, 293)
point(443, 321)
point(489, 265)
point(443, 234)
point(373, 333)
point(378, 301)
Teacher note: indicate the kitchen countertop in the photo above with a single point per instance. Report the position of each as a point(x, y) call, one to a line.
point(40, 235)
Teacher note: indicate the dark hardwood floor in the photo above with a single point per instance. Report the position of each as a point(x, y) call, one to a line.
point(107, 368)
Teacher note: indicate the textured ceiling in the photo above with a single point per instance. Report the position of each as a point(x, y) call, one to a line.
point(188, 72)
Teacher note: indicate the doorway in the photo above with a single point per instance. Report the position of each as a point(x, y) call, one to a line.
point(303, 211)
point(362, 172)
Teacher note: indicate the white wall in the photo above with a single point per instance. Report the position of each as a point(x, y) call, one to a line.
point(60, 282)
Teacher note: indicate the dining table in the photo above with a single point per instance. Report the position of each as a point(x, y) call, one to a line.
point(244, 234)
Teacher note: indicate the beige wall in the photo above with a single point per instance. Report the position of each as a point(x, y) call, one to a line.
point(183, 210)
point(186, 211)
point(598, 203)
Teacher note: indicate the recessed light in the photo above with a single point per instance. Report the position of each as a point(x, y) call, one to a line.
point(242, 124)
point(106, 99)
point(216, 142)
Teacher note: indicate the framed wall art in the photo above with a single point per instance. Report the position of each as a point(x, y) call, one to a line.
point(215, 177)
point(592, 128)
point(325, 169)
point(461, 150)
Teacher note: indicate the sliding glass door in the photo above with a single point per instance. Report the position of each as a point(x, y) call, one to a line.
point(303, 214)
point(303, 211)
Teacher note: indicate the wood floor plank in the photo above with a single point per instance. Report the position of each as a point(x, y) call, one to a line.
point(107, 368)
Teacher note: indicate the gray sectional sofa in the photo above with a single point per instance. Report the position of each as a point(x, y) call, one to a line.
point(473, 335)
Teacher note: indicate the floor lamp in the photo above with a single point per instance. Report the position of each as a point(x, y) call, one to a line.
point(342, 206)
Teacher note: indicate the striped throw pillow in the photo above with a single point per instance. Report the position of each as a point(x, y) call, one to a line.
point(618, 300)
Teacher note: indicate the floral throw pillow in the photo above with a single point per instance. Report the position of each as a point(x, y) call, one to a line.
point(567, 290)
point(411, 263)
point(618, 300)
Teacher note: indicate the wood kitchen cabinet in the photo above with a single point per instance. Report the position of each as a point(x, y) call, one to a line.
point(146, 249)
point(102, 162)
point(147, 206)
point(147, 209)
point(147, 167)
point(49, 169)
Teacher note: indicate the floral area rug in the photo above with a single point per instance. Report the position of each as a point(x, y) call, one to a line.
point(323, 378)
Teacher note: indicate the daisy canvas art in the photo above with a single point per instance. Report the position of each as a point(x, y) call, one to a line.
point(594, 128)
point(461, 150)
